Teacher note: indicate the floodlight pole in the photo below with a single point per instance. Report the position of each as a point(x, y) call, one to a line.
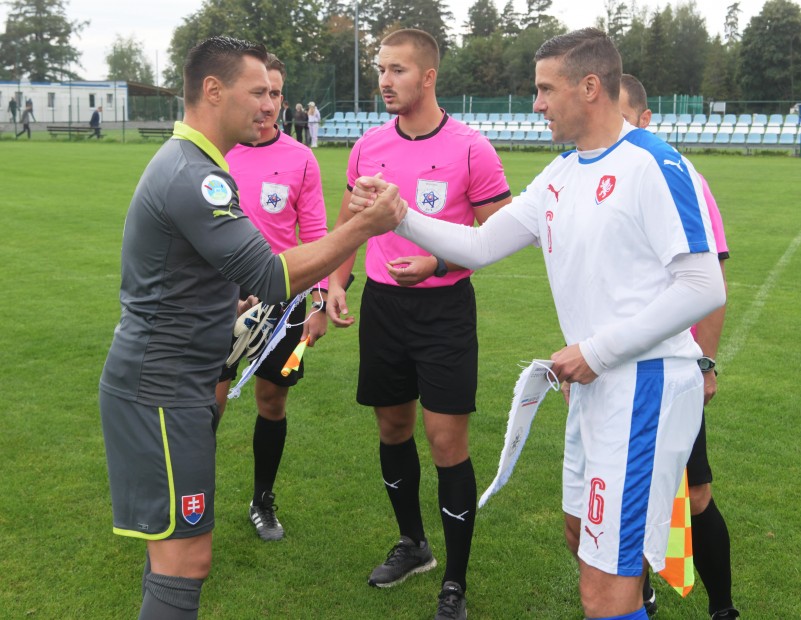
point(356, 56)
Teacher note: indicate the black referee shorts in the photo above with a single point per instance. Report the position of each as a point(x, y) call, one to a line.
point(271, 367)
point(418, 343)
point(698, 469)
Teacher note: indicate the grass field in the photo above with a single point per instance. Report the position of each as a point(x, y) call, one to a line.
point(63, 210)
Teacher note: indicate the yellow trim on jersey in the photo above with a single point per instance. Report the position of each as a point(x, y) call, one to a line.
point(286, 275)
point(168, 464)
point(183, 131)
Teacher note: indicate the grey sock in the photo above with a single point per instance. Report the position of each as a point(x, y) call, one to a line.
point(170, 598)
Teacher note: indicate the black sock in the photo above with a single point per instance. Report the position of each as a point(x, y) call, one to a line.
point(457, 504)
point(268, 446)
point(712, 556)
point(400, 468)
point(646, 587)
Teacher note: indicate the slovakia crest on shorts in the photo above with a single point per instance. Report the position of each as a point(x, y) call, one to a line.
point(431, 196)
point(605, 188)
point(193, 507)
point(274, 197)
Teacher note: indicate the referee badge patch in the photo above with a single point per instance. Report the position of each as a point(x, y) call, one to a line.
point(193, 507)
point(274, 197)
point(431, 196)
point(216, 191)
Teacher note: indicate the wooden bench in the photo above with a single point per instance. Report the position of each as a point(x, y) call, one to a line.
point(70, 130)
point(156, 132)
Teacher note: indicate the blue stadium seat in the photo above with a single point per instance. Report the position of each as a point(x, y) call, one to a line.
point(533, 117)
point(663, 135)
point(505, 135)
point(691, 137)
point(791, 119)
point(685, 118)
point(350, 117)
point(519, 117)
point(759, 119)
point(532, 136)
point(383, 117)
point(372, 117)
point(729, 118)
point(507, 117)
point(787, 138)
point(715, 118)
point(722, 137)
point(656, 118)
point(770, 139)
point(706, 137)
point(700, 119)
point(482, 117)
point(491, 134)
point(468, 117)
point(738, 137)
point(744, 119)
point(669, 118)
point(361, 117)
point(518, 136)
point(339, 116)
point(494, 117)
point(752, 138)
point(545, 136)
point(775, 120)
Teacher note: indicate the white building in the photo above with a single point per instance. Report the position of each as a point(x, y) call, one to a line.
point(65, 102)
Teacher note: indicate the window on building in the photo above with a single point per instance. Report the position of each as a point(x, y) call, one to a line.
point(109, 99)
point(91, 101)
point(51, 100)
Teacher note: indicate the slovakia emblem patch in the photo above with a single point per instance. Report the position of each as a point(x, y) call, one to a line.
point(274, 197)
point(605, 188)
point(193, 507)
point(431, 196)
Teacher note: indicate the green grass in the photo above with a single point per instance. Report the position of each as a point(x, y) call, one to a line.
point(63, 209)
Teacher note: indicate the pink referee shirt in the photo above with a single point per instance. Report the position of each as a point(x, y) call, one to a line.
point(717, 226)
point(280, 191)
point(445, 174)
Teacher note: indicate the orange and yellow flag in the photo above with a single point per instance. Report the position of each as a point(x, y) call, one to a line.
point(293, 363)
point(679, 571)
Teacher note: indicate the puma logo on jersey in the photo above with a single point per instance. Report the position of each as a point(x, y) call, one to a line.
point(393, 485)
point(221, 212)
point(555, 191)
point(594, 537)
point(669, 162)
point(450, 514)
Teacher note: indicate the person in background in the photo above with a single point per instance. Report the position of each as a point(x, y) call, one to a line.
point(301, 121)
point(314, 123)
point(710, 536)
point(26, 122)
point(94, 122)
point(281, 193)
point(286, 118)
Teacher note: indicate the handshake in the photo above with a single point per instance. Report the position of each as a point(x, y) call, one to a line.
point(374, 192)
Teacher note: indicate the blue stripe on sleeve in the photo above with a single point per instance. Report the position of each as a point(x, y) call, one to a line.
point(639, 468)
point(679, 183)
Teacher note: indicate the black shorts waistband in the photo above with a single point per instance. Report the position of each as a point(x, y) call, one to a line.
point(425, 293)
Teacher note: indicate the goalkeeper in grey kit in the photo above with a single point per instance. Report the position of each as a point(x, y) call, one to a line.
point(186, 250)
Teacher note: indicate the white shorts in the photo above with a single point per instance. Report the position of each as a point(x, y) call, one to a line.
point(628, 437)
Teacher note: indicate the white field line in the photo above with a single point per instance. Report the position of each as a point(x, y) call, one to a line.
point(732, 345)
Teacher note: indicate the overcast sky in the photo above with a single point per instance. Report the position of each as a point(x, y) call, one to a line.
point(153, 21)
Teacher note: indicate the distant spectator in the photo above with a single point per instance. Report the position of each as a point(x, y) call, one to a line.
point(26, 123)
point(94, 122)
point(301, 123)
point(286, 117)
point(12, 110)
point(29, 106)
point(314, 123)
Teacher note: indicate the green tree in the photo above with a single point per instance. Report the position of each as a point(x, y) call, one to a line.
point(770, 53)
point(720, 70)
point(632, 44)
point(692, 39)
point(482, 19)
point(617, 20)
point(37, 41)
point(731, 25)
point(518, 59)
point(288, 28)
point(126, 61)
point(510, 19)
point(537, 13)
point(384, 16)
point(475, 68)
point(656, 72)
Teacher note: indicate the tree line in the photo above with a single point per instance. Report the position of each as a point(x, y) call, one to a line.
point(669, 49)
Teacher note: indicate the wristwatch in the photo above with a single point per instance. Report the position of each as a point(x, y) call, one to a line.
point(319, 305)
point(706, 364)
point(442, 268)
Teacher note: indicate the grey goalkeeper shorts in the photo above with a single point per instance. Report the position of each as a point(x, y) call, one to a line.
point(161, 464)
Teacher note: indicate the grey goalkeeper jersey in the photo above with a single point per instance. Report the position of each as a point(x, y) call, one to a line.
point(186, 249)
